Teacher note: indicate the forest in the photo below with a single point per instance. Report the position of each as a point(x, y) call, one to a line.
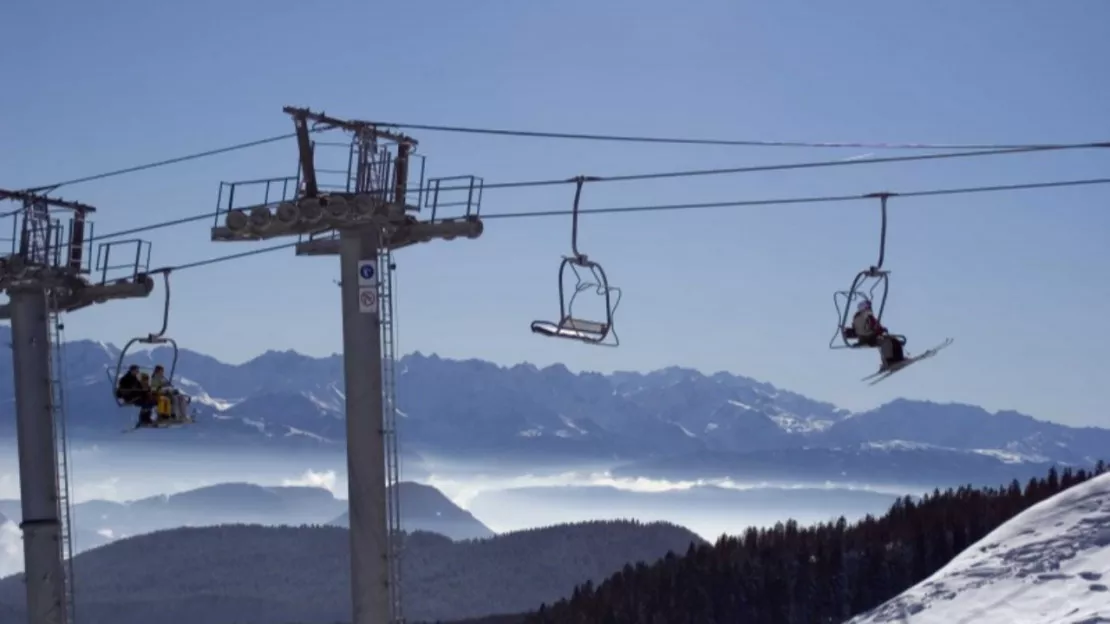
point(787, 574)
point(238, 574)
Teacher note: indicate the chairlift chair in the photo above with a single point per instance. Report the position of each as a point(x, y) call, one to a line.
point(154, 339)
point(597, 332)
point(879, 288)
point(568, 326)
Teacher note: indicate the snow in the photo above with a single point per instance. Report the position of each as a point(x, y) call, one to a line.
point(199, 395)
point(219, 404)
point(788, 422)
point(293, 431)
point(257, 424)
point(792, 423)
point(899, 445)
point(686, 431)
point(570, 423)
point(1048, 565)
point(1011, 457)
point(770, 395)
point(1005, 456)
point(327, 406)
point(110, 351)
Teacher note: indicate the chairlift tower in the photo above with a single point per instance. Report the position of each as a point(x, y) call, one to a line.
point(361, 217)
point(46, 272)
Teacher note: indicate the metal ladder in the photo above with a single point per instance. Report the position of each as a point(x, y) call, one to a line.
point(64, 488)
point(389, 427)
point(372, 165)
point(38, 229)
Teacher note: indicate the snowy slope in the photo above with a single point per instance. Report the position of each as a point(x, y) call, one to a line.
point(1049, 565)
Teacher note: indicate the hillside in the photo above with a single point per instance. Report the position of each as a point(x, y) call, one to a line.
point(1046, 566)
point(661, 422)
point(98, 522)
point(824, 573)
point(265, 575)
point(424, 508)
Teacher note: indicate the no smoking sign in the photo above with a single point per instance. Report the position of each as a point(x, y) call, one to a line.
point(368, 300)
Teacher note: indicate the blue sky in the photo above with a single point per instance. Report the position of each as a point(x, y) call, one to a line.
point(1019, 279)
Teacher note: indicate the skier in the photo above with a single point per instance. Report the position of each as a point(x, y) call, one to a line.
point(891, 350)
point(173, 404)
point(158, 380)
point(865, 328)
point(869, 332)
point(131, 391)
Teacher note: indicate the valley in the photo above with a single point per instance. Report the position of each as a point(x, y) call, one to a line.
point(498, 462)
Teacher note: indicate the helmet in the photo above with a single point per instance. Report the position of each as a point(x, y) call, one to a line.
point(864, 305)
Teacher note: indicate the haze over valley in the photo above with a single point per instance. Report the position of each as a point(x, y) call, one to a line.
point(522, 448)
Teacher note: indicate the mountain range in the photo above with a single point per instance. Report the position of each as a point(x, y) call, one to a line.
point(673, 423)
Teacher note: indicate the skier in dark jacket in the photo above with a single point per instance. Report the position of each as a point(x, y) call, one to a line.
point(131, 391)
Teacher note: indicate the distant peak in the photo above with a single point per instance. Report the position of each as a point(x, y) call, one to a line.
point(271, 356)
point(556, 369)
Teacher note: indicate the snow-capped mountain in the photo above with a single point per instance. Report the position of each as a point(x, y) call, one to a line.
point(673, 418)
point(1048, 565)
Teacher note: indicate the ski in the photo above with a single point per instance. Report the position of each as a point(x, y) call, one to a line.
point(872, 376)
point(887, 372)
point(890, 371)
point(169, 424)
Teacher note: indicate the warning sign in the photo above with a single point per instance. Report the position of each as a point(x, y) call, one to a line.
point(368, 300)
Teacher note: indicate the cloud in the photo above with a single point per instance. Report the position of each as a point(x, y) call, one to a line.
point(134, 487)
point(463, 491)
point(9, 486)
point(311, 478)
point(106, 489)
point(11, 549)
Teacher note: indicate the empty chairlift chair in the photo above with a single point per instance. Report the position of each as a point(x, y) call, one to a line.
point(589, 276)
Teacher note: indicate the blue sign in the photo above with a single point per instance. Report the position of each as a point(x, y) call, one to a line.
point(366, 271)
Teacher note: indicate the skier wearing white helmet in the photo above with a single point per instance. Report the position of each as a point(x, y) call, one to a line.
point(869, 332)
point(865, 326)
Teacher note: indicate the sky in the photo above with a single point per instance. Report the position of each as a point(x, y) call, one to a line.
point(1018, 279)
